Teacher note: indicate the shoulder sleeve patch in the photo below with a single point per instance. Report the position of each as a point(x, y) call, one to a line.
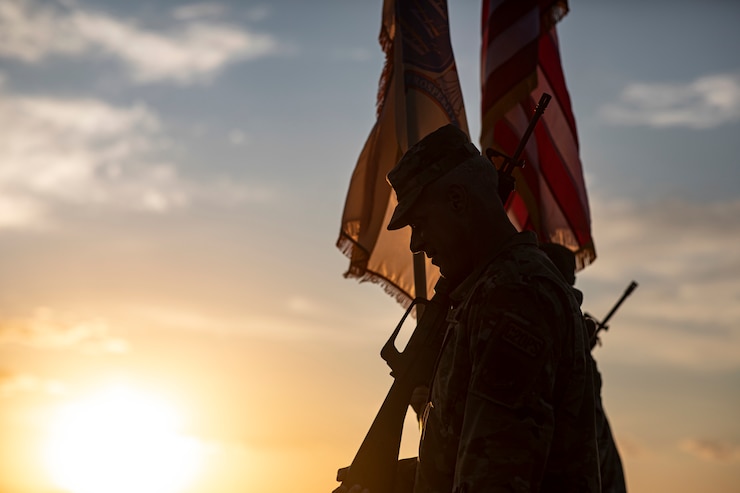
point(521, 339)
point(511, 362)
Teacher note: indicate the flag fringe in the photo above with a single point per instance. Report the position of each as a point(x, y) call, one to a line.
point(585, 256)
point(358, 270)
point(553, 14)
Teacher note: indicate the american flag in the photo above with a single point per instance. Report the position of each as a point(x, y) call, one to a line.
point(520, 59)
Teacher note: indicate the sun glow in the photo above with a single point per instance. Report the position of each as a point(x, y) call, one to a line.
point(121, 441)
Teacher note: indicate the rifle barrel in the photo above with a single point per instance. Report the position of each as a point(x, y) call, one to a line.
point(626, 293)
point(541, 105)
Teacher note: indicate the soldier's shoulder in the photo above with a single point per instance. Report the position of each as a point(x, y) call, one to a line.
point(522, 281)
point(523, 267)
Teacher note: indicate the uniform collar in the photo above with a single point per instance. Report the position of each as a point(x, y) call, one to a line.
point(461, 290)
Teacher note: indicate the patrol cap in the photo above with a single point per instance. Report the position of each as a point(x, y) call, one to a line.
point(427, 160)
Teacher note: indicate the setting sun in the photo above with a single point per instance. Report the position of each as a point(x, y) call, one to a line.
point(119, 441)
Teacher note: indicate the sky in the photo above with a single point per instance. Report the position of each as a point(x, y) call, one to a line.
point(172, 178)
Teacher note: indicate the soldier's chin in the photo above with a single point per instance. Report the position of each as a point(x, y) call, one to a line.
point(446, 273)
point(454, 276)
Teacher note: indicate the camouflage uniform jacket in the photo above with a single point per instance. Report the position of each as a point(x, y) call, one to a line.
point(612, 472)
point(511, 404)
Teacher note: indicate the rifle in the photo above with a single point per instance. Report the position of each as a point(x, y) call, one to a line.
point(375, 464)
point(602, 325)
point(505, 180)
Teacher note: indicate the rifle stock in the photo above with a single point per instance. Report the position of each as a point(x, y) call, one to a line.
point(374, 466)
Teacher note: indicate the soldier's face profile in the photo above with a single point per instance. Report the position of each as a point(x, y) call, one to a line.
point(439, 233)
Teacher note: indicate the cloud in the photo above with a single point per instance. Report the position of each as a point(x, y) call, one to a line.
point(16, 383)
point(255, 13)
point(712, 450)
point(238, 137)
point(633, 447)
point(199, 11)
point(47, 328)
point(706, 102)
point(18, 211)
point(191, 53)
point(684, 257)
point(88, 152)
point(81, 151)
point(352, 54)
point(304, 306)
point(29, 32)
point(303, 319)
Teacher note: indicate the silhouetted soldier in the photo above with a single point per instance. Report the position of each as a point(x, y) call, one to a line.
point(511, 404)
point(610, 463)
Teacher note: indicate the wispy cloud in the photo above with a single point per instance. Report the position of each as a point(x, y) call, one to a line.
point(634, 447)
point(199, 11)
point(301, 305)
point(304, 318)
point(355, 54)
point(683, 256)
point(706, 102)
point(88, 152)
point(78, 151)
point(203, 10)
point(238, 137)
point(17, 383)
point(47, 328)
point(712, 450)
point(20, 212)
point(194, 51)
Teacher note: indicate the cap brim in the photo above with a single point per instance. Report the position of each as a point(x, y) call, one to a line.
point(400, 214)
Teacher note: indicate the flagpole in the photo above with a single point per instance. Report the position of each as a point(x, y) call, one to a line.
point(420, 277)
point(420, 271)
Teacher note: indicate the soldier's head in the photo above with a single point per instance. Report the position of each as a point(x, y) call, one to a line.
point(447, 193)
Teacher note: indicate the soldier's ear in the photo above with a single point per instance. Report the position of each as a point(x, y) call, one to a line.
point(457, 197)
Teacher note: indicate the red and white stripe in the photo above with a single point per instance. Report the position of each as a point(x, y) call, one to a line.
point(520, 60)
